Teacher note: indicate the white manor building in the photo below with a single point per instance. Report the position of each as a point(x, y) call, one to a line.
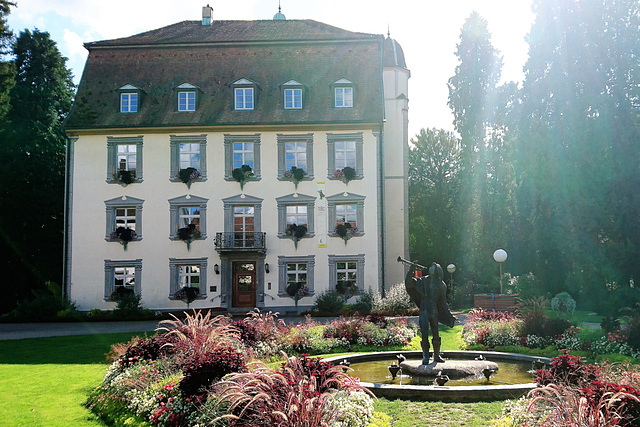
point(162, 126)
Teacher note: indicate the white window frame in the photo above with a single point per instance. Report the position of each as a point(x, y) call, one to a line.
point(282, 141)
point(110, 267)
point(231, 202)
point(332, 138)
point(112, 156)
point(174, 273)
point(345, 199)
point(333, 269)
point(190, 100)
point(294, 199)
point(175, 142)
point(229, 141)
point(244, 98)
point(123, 202)
point(187, 201)
point(343, 97)
point(282, 272)
point(127, 104)
point(292, 99)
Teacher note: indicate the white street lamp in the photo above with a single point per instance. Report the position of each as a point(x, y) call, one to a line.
point(451, 269)
point(500, 256)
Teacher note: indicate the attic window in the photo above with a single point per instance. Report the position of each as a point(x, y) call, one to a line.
point(187, 97)
point(244, 94)
point(343, 93)
point(129, 98)
point(292, 95)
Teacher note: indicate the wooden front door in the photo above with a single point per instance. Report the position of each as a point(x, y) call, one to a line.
point(244, 284)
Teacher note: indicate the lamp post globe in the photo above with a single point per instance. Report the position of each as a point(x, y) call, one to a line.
point(451, 269)
point(500, 255)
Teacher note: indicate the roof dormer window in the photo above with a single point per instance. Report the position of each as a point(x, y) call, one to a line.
point(129, 97)
point(186, 97)
point(292, 92)
point(343, 93)
point(244, 94)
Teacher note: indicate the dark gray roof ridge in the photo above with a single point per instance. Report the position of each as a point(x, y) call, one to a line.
point(235, 31)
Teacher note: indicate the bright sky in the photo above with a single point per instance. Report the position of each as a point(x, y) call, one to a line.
point(427, 30)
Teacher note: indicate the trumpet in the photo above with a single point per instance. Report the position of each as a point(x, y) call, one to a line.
point(407, 262)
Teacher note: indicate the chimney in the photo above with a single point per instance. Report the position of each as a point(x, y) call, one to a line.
point(207, 11)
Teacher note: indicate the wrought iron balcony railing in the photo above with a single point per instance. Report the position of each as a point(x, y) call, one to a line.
point(239, 241)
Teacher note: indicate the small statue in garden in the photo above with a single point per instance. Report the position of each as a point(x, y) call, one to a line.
point(430, 295)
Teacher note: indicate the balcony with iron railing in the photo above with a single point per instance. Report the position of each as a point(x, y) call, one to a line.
point(241, 242)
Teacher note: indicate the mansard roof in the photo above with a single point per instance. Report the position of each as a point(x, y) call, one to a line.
point(212, 58)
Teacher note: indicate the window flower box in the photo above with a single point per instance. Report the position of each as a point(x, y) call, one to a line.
point(242, 175)
point(188, 175)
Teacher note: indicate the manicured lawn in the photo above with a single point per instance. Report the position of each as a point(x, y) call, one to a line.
point(45, 381)
point(408, 413)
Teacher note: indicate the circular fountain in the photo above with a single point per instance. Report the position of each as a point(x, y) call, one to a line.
point(485, 384)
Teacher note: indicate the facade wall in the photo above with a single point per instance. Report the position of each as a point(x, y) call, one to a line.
point(90, 249)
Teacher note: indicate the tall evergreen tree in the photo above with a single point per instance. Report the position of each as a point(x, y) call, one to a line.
point(6, 69)
point(473, 98)
point(434, 166)
point(577, 156)
point(32, 172)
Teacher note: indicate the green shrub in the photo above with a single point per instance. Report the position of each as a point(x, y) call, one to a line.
point(364, 304)
point(43, 307)
point(129, 305)
point(563, 304)
point(328, 302)
point(395, 299)
point(533, 312)
point(526, 286)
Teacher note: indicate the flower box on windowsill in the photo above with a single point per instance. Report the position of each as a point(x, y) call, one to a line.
point(294, 174)
point(345, 231)
point(125, 177)
point(188, 175)
point(345, 174)
point(123, 235)
point(296, 232)
point(242, 175)
point(187, 294)
point(188, 234)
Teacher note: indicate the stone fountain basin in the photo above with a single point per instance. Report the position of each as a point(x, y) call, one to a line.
point(445, 393)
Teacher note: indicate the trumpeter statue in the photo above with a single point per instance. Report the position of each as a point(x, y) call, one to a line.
point(430, 295)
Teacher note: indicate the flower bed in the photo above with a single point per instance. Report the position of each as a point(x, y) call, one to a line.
point(203, 371)
point(573, 393)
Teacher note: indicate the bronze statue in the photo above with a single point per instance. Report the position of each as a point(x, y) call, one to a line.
point(430, 295)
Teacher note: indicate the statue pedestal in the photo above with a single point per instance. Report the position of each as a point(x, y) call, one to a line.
point(452, 368)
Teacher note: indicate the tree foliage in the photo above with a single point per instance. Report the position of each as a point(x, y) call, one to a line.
point(32, 171)
point(6, 68)
point(549, 170)
point(434, 167)
point(480, 106)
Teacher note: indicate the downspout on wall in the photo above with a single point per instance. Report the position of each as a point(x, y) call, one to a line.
point(381, 183)
point(68, 198)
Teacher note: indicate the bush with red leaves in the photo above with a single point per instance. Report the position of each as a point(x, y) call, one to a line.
point(567, 369)
point(623, 403)
point(248, 332)
point(148, 349)
point(310, 367)
point(203, 370)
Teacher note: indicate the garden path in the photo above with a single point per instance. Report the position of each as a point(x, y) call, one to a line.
point(17, 331)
